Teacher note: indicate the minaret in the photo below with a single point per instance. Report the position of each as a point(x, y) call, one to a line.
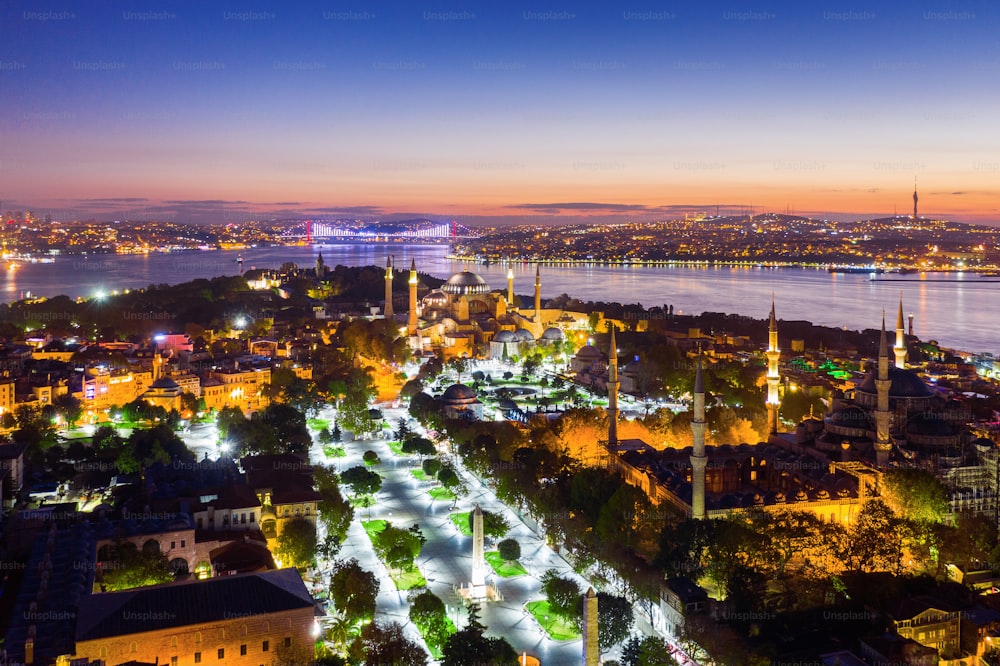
point(387, 311)
point(698, 458)
point(773, 354)
point(510, 287)
point(412, 323)
point(538, 295)
point(914, 198)
point(911, 324)
point(883, 441)
point(157, 364)
point(900, 348)
point(591, 646)
point(613, 385)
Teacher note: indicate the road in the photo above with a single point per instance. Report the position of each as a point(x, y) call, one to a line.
point(446, 558)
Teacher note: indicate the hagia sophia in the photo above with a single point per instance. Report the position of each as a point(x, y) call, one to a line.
point(465, 316)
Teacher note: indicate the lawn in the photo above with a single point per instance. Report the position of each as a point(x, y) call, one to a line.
point(555, 626)
point(441, 493)
point(363, 501)
point(317, 424)
point(503, 568)
point(334, 451)
point(421, 475)
point(373, 527)
point(461, 521)
point(408, 580)
point(396, 447)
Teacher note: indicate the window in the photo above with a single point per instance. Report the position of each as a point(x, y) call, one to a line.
point(173, 544)
point(104, 652)
point(197, 637)
point(265, 646)
point(173, 641)
point(173, 661)
point(288, 641)
point(133, 647)
point(183, 543)
point(243, 650)
point(253, 517)
point(222, 653)
point(197, 657)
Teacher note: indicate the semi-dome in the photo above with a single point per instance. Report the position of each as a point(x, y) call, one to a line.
point(905, 384)
point(465, 283)
point(458, 394)
point(524, 335)
point(553, 334)
point(435, 297)
point(505, 336)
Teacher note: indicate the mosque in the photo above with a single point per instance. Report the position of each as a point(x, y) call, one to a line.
point(828, 467)
point(466, 318)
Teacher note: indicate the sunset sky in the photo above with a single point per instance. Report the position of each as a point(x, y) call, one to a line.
point(492, 111)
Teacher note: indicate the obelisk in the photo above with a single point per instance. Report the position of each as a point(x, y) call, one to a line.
point(591, 648)
point(478, 556)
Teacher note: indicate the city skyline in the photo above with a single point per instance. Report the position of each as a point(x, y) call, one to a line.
point(484, 114)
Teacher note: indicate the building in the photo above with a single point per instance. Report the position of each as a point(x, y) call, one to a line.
point(264, 617)
point(463, 316)
point(679, 598)
point(461, 402)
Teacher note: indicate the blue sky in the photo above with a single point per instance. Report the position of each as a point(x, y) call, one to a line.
point(494, 111)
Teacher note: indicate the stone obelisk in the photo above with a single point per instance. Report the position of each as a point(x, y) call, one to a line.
point(591, 648)
point(478, 556)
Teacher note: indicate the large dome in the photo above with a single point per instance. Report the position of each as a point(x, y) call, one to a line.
point(465, 282)
point(459, 394)
point(905, 384)
point(505, 336)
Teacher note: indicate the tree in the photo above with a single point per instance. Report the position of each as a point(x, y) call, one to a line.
point(494, 525)
point(69, 408)
point(334, 510)
point(296, 545)
point(915, 494)
point(399, 546)
point(429, 614)
point(353, 590)
point(381, 644)
point(510, 550)
point(470, 646)
point(362, 481)
point(614, 619)
point(370, 458)
point(873, 542)
point(448, 477)
point(431, 467)
point(563, 594)
point(134, 568)
point(647, 651)
point(418, 445)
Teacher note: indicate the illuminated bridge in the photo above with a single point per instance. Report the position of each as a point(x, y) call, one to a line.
point(317, 230)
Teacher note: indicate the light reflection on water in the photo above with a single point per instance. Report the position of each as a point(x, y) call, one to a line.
point(956, 309)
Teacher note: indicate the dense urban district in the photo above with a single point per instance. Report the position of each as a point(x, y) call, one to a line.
point(376, 466)
point(897, 243)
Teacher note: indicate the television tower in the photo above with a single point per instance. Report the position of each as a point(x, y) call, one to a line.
point(914, 198)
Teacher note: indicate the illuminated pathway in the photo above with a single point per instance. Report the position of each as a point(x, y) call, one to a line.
point(446, 558)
